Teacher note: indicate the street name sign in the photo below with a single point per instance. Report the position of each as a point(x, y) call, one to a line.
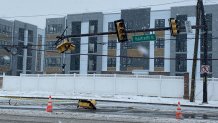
point(140, 38)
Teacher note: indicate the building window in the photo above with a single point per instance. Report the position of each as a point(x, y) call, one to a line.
point(158, 62)
point(54, 28)
point(76, 42)
point(111, 62)
point(92, 44)
point(75, 62)
point(92, 63)
point(209, 21)
point(112, 44)
point(29, 63)
point(159, 23)
point(21, 34)
point(159, 43)
point(111, 27)
point(93, 26)
point(20, 63)
point(50, 45)
point(181, 43)
point(181, 62)
point(3, 61)
point(53, 62)
point(30, 36)
point(181, 21)
point(76, 28)
point(4, 29)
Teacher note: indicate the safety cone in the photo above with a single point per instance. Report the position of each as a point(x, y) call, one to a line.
point(178, 112)
point(49, 105)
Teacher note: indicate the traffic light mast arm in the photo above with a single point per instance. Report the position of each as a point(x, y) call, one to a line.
point(127, 31)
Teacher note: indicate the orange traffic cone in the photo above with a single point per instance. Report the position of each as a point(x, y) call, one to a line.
point(49, 105)
point(178, 112)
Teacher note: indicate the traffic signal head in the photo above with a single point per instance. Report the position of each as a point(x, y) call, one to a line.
point(121, 30)
point(174, 26)
point(65, 46)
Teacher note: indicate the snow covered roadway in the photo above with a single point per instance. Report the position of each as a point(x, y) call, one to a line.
point(26, 111)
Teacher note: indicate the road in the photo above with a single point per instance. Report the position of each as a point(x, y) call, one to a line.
point(107, 112)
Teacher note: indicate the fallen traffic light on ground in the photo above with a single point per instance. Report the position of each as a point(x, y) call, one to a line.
point(87, 104)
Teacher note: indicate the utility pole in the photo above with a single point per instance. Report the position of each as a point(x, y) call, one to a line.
point(205, 62)
point(194, 64)
point(200, 15)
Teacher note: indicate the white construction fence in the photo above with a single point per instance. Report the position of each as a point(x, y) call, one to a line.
point(105, 84)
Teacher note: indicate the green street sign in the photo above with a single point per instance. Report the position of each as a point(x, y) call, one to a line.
point(140, 38)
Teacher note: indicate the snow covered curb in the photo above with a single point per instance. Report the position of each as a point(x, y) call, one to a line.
point(118, 98)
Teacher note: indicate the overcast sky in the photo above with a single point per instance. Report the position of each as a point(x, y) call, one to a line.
point(36, 11)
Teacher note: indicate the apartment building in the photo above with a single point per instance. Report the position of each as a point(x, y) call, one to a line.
point(53, 59)
point(5, 39)
point(18, 47)
point(166, 55)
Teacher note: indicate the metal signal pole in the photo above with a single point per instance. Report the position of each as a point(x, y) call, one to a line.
point(205, 56)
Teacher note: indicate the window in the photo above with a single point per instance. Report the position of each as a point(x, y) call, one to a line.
point(158, 62)
point(21, 34)
point(76, 42)
point(55, 28)
point(92, 63)
point(20, 63)
point(3, 61)
point(93, 26)
point(4, 29)
point(30, 36)
point(53, 62)
point(181, 21)
point(159, 23)
point(159, 43)
point(181, 63)
point(209, 21)
point(111, 27)
point(112, 44)
point(76, 28)
point(181, 43)
point(111, 62)
point(29, 63)
point(75, 62)
point(50, 45)
point(92, 44)
point(20, 48)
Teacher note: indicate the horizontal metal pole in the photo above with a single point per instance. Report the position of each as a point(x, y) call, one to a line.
point(127, 31)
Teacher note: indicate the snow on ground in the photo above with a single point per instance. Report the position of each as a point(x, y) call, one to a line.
point(123, 98)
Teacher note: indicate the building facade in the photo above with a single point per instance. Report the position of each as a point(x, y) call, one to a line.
point(5, 40)
point(18, 47)
point(166, 55)
point(53, 59)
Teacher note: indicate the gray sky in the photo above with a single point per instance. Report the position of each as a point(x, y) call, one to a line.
point(36, 11)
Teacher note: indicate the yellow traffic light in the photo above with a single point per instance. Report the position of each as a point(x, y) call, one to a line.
point(121, 30)
point(65, 46)
point(174, 27)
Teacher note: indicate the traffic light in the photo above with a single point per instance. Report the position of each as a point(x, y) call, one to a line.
point(65, 46)
point(121, 30)
point(174, 26)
